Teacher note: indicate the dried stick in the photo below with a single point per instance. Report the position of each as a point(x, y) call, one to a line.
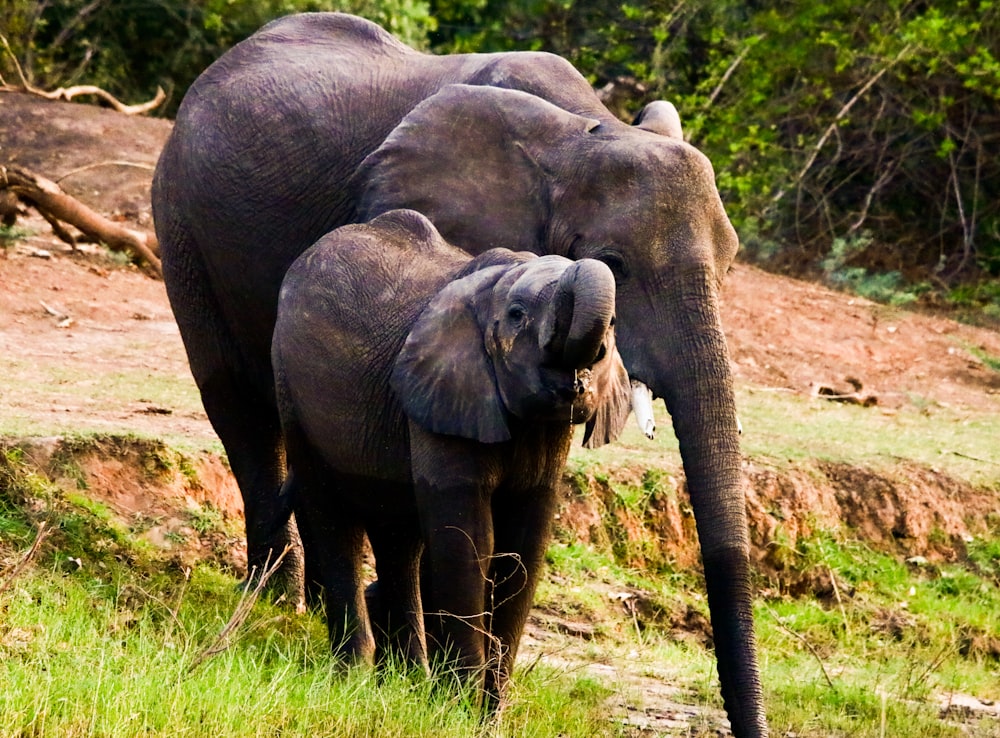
point(832, 128)
point(243, 609)
point(807, 644)
point(16, 570)
point(728, 73)
point(68, 93)
point(112, 163)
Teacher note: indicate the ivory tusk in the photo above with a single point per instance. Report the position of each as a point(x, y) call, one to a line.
point(642, 406)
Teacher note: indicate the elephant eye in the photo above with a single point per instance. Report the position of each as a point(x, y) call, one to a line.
point(516, 313)
point(615, 262)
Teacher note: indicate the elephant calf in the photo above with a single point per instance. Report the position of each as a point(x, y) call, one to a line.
point(428, 398)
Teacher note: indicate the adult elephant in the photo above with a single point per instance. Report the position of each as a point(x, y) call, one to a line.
point(324, 119)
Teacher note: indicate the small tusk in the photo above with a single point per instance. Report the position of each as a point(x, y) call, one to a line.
point(642, 406)
point(739, 425)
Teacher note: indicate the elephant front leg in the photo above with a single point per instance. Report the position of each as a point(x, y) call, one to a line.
point(333, 541)
point(337, 552)
point(522, 530)
point(458, 551)
point(453, 503)
point(399, 619)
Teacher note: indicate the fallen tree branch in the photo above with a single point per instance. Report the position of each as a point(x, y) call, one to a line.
point(68, 93)
point(111, 163)
point(54, 204)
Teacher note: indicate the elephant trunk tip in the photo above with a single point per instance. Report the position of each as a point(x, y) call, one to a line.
point(587, 293)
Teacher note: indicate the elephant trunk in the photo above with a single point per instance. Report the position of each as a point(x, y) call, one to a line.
point(698, 389)
point(584, 307)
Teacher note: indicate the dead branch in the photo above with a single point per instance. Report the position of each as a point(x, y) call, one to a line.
point(807, 644)
point(110, 163)
point(242, 611)
point(53, 203)
point(850, 397)
point(68, 93)
point(15, 570)
point(729, 73)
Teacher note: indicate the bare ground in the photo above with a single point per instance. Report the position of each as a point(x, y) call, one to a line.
point(87, 344)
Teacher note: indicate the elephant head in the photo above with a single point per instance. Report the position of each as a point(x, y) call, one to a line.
point(492, 166)
point(516, 338)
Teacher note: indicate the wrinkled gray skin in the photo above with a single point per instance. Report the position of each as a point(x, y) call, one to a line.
point(427, 398)
point(320, 120)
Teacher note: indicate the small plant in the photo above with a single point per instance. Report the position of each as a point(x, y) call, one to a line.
point(205, 518)
point(10, 235)
point(885, 287)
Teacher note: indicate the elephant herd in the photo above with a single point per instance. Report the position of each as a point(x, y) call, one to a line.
point(400, 280)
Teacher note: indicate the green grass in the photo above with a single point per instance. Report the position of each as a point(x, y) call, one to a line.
point(901, 638)
point(85, 656)
point(784, 427)
point(98, 638)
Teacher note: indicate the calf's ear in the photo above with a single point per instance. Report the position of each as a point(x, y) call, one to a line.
point(443, 375)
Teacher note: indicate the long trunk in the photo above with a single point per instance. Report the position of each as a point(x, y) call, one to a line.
point(698, 390)
point(585, 298)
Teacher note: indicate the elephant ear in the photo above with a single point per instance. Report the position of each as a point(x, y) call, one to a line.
point(660, 117)
point(443, 376)
point(472, 159)
point(612, 414)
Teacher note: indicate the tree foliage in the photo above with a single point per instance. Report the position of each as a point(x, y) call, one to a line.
point(870, 125)
point(866, 126)
point(132, 47)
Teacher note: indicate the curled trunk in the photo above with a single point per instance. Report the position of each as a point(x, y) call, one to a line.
point(585, 299)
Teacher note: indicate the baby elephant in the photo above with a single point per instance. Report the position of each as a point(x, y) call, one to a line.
point(428, 398)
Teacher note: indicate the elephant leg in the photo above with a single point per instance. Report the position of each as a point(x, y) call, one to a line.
point(333, 540)
point(459, 550)
point(397, 618)
point(241, 411)
point(454, 479)
point(378, 613)
point(459, 543)
point(522, 532)
point(249, 430)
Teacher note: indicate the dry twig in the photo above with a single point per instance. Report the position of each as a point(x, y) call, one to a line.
point(807, 644)
point(243, 609)
point(68, 93)
point(832, 128)
point(16, 570)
